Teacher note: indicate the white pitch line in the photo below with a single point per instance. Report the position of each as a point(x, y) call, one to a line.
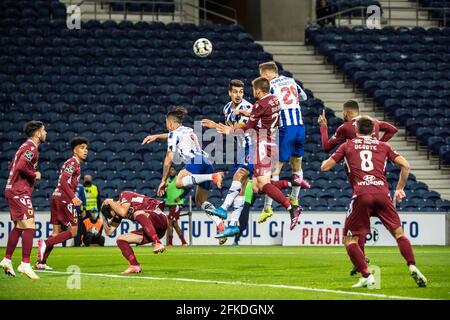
point(250, 253)
point(248, 284)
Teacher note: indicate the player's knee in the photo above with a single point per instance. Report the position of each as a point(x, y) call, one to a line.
point(349, 240)
point(138, 213)
point(398, 233)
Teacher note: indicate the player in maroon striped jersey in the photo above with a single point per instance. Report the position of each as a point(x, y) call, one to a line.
point(19, 187)
point(145, 210)
point(347, 131)
point(264, 120)
point(366, 159)
point(63, 214)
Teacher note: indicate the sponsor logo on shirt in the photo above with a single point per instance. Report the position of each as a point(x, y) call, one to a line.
point(370, 180)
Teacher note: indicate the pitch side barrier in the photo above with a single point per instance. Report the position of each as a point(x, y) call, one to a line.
point(314, 229)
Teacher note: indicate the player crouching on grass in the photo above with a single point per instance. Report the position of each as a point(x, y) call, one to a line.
point(63, 213)
point(135, 207)
point(366, 159)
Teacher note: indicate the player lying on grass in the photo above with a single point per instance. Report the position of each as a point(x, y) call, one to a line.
point(263, 123)
point(19, 187)
point(63, 214)
point(236, 113)
point(198, 170)
point(347, 131)
point(142, 209)
point(291, 130)
point(366, 158)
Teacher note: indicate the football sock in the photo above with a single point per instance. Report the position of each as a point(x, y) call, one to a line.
point(127, 252)
point(169, 240)
point(406, 250)
point(59, 238)
point(275, 193)
point(238, 206)
point(13, 239)
point(195, 179)
point(234, 191)
point(27, 244)
point(47, 252)
point(268, 200)
point(209, 205)
point(362, 242)
point(282, 184)
point(358, 259)
point(296, 189)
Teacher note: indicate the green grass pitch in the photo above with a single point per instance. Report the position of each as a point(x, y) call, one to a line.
point(230, 273)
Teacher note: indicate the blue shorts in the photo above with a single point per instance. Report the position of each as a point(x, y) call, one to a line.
point(200, 165)
point(292, 142)
point(246, 161)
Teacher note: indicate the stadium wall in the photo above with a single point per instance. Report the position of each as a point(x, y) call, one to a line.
point(315, 229)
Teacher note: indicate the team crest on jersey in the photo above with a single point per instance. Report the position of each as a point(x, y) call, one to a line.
point(30, 212)
point(69, 169)
point(28, 155)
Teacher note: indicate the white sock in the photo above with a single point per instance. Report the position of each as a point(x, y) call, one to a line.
point(195, 179)
point(296, 190)
point(268, 200)
point(209, 205)
point(238, 206)
point(232, 194)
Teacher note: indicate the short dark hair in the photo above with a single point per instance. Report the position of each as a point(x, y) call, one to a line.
point(178, 113)
point(262, 84)
point(235, 83)
point(269, 66)
point(31, 127)
point(351, 105)
point(106, 211)
point(77, 141)
point(365, 125)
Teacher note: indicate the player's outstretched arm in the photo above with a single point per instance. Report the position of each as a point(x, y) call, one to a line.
point(209, 124)
point(403, 178)
point(166, 167)
point(388, 129)
point(328, 164)
point(154, 137)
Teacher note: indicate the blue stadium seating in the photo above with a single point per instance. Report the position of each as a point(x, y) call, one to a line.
point(417, 94)
point(114, 82)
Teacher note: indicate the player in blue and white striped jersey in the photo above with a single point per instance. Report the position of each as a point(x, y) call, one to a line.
point(198, 170)
point(291, 130)
point(236, 113)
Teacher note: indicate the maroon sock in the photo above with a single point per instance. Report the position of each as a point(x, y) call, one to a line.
point(47, 252)
point(406, 250)
point(362, 242)
point(358, 259)
point(147, 226)
point(59, 238)
point(13, 239)
point(275, 193)
point(169, 240)
point(183, 240)
point(127, 252)
point(27, 244)
point(282, 184)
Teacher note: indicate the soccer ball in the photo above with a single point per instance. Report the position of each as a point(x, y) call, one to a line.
point(202, 47)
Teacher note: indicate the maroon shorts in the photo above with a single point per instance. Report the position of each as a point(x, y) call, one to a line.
point(159, 221)
point(265, 158)
point(20, 208)
point(174, 212)
point(370, 205)
point(63, 212)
